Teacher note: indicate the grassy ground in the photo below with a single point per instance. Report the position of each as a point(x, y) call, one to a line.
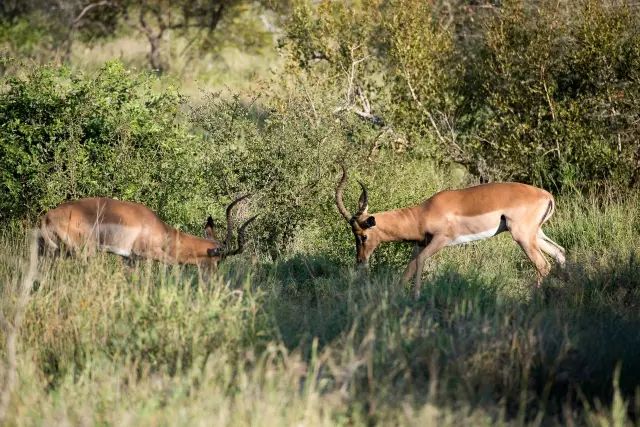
point(304, 341)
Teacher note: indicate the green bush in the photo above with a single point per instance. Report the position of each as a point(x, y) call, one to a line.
point(281, 154)
point(543, 92)
point(65, 135)
point(558, 95)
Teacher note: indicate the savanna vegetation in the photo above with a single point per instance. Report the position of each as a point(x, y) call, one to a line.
point(183, 106)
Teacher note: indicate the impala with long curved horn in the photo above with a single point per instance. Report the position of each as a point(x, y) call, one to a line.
point(454, 217)
point(133, 231)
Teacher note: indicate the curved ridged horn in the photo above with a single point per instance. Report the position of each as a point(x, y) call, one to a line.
point(363, 201)
point(339, 189)
point(241, 237)
point(229, 222)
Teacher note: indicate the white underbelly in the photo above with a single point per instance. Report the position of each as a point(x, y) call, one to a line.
point(490, 230)
point(466, 238)
point(115, 250)
point(117, 239)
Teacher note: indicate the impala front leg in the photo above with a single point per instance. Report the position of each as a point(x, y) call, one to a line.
point(410, 271)
point(437, 243)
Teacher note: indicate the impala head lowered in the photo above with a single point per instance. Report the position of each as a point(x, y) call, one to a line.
point(362, 224)
point(133, 231)
point(453, 217)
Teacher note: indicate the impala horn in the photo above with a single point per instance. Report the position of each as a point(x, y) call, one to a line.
point(363, 201)
point(241, 236)
point(339, 190)
point(229, 236)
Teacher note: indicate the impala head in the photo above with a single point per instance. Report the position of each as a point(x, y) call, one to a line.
point(222, 249)
point(362, 224)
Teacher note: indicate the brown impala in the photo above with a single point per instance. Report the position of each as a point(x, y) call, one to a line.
point(458, 216)
point(132, 231)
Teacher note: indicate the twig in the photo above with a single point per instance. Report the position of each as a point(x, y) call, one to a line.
point(422, 107)
point(546, 93)
point(313, 107)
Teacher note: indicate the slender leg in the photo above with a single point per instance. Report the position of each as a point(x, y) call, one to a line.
point(530, 247)
point(129, 266)
point(410, 271)
point(551, 248)
point(434, 246)
point(129, 261)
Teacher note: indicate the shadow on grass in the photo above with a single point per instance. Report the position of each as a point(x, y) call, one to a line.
point(463, 340)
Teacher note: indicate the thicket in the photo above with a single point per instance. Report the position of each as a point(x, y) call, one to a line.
point(546, 93)
point(64, 135)
point(543, 92)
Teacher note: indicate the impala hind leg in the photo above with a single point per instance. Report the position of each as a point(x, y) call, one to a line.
point(45, 249)
point(551, 248)
point(530, 247)
point(527, 238)
point(129, 262)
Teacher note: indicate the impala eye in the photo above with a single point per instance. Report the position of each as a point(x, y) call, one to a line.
point(364, 239)
point(214, 252)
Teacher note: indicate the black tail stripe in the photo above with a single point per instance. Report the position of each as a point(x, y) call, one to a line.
point(549, 207)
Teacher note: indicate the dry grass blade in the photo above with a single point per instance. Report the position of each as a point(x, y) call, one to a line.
point(11, 329)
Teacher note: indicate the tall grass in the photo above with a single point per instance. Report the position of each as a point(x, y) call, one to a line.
point(307, 341)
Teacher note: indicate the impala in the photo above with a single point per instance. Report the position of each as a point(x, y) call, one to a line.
point(132, 231)
point(457, 216)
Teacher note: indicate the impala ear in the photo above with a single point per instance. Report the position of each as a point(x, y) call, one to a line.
point(369, 222)
point(208, 229)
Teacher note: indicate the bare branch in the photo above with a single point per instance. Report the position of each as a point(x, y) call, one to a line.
point(143, 26)
point(87, 8)
point(354, 90)
point(422, 107)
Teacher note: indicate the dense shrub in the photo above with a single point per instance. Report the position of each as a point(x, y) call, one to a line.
point(558, 94)
point(285, 154)
point(65, 135)
point(544, 92)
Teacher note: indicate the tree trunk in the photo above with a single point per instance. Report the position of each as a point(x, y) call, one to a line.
point(154, 54)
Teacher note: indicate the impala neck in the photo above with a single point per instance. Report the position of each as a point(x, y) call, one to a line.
point(189, 249)
point(399, 225)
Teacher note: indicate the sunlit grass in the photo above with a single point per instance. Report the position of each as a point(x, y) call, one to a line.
point(306, 341)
